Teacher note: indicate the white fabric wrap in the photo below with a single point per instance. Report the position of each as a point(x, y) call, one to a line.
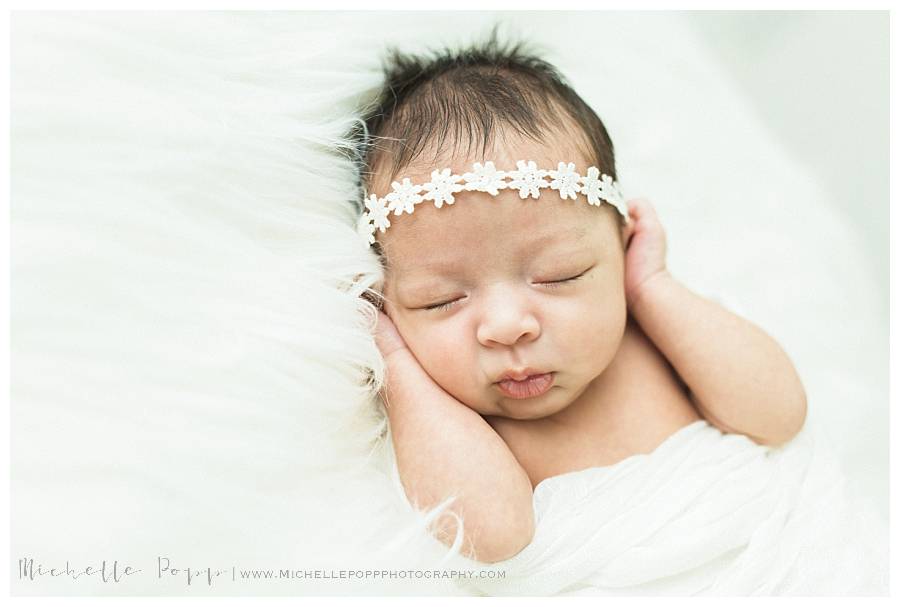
point(704, 513)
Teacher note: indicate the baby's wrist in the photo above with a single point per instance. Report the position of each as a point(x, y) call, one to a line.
point(644, 294)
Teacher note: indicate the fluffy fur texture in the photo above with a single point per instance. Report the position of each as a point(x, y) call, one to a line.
point(190, 354)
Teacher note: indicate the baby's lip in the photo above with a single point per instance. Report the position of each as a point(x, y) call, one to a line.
point(519, 374)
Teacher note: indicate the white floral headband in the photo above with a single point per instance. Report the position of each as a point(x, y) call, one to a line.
point(528, 179)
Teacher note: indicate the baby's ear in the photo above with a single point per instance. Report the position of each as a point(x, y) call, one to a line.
point(627, 231)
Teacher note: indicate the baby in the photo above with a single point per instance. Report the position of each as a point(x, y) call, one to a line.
point(531, 328)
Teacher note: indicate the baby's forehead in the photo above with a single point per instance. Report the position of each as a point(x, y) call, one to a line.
point(435, 248)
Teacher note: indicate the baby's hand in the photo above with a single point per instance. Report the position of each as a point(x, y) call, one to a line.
point(645, 256)
point(403, 367)
point(444, 448)
point(387, 337)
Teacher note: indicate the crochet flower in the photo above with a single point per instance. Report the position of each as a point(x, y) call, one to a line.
point(565, 179)
point(442, 187)
point(404, 196)
point(528, 179)
point(611, 193)
point(592, 187)
point(366, 228)
point(378, 213)
point(485, 178)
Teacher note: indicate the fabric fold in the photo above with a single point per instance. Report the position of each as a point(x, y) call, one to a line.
point(704, 513)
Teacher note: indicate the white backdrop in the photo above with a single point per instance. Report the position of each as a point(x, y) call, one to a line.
point(187, 356)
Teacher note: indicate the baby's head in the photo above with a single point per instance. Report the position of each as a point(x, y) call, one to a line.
point(497, 283)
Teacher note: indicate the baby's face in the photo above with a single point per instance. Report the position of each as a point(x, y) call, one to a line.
point(497, 263)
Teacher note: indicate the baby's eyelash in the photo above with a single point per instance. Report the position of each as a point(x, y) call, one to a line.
point(554, 284)
point(441, 306)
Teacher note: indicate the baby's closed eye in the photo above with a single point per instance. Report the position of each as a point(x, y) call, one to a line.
point(551, 284)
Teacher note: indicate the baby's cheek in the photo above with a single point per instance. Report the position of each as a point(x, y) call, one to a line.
point(600, 331)
point(438, 353)
point(453, 366)
point(441, 355)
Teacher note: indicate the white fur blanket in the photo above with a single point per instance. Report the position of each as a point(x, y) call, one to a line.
point(189, 349)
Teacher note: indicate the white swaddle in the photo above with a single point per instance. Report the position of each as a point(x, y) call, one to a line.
point(704, 513)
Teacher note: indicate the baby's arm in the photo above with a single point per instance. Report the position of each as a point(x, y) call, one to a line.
point(741, 379)
point(443, 447)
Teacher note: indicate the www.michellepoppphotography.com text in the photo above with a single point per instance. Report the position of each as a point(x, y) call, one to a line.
point(164, 568)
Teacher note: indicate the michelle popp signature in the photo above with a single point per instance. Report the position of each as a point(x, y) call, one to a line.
point(114, 571)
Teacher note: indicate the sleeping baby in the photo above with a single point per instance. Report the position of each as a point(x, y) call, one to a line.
point(530, 328)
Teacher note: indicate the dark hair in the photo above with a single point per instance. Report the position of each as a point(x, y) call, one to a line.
point(467, 96)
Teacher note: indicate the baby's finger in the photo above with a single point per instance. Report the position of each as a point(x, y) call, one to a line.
point(639, 206)
point(387, 337)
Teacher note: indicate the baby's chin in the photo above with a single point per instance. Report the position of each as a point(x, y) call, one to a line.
point(530, 409)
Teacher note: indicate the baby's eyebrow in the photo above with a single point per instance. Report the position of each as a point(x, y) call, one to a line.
point(448, 267)
point(576, 235)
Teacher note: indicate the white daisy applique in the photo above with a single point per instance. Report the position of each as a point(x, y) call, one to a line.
point(528, 179)
point(366, 229)
point(485, 179)
point(611, 193)
point(404, 197)
point(592, 187)
point(565, 180)
point(378, 213)
point(442, 187)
